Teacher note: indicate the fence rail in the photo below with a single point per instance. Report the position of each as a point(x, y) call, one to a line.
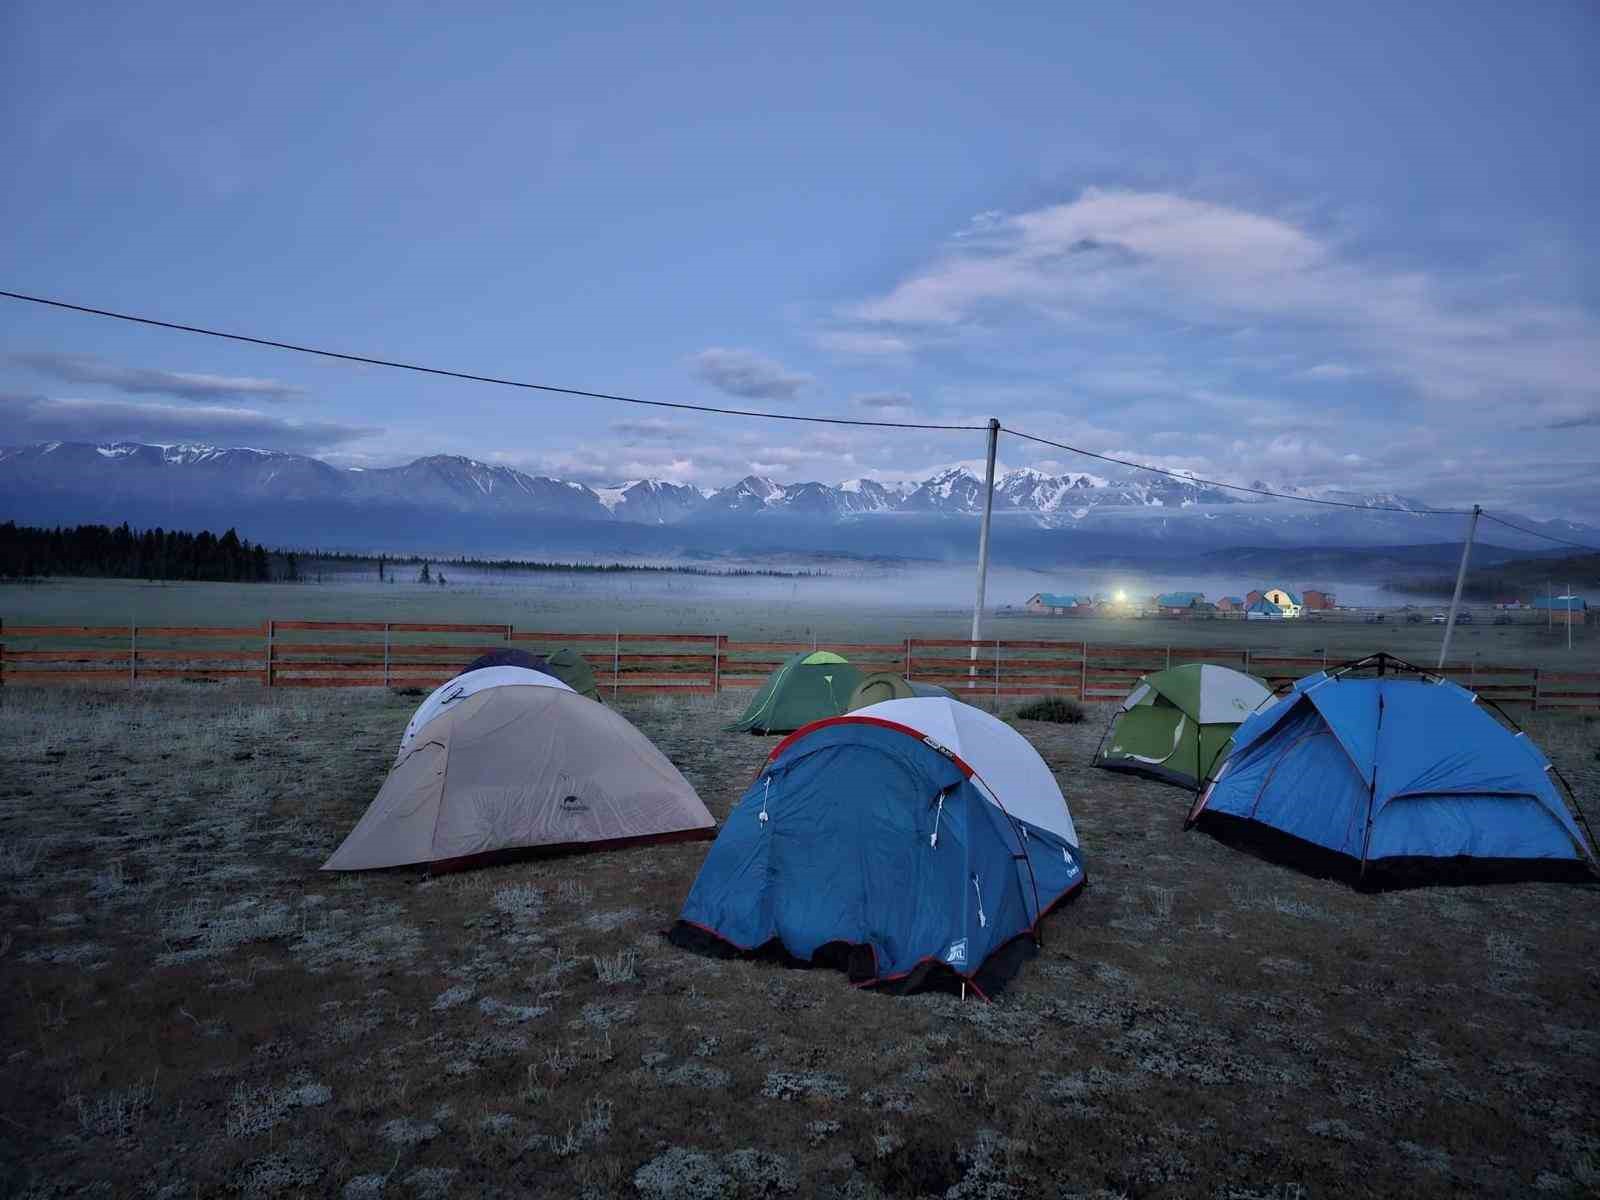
point(396, 654)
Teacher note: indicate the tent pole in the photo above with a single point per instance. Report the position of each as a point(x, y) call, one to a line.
point(1461, 578)
point(1568, 611)
point(983, 545)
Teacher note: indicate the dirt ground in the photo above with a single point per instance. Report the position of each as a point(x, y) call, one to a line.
point(189, 1008)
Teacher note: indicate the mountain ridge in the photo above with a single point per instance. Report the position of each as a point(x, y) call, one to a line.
point(146, 481)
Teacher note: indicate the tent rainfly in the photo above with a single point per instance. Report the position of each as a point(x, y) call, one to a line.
point(1174, 723)
point(806, 688)
point(563, 663)
point(505, 760)
point(886, 685)
point(1392, 782)
point(869, 843)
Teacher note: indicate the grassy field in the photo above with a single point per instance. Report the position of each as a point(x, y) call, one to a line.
point(760, 609)
point(191, 1009)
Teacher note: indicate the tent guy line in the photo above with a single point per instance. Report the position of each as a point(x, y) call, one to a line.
point(472, 377)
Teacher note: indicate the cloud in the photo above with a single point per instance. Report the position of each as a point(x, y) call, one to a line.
point(862, 344)
point(881, 400)
point(1120, 262)
point(745, 373)
point(146, 381)
point(656, 429)
point(30, 418)
point(1330, 371)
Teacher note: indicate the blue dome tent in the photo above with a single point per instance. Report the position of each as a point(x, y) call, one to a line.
point(867, 844)
point(1397, 780)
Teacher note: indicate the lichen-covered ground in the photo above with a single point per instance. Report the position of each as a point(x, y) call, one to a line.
point(189, 1008)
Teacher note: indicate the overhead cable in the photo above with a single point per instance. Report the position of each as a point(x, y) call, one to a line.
point(1549, 537)
point(471, 377)
point(369, 360)
point(1236, 487)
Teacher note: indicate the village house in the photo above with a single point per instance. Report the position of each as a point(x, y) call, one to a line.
point(1056, 605)
point(1290, 604)
point(1181, 604)
point(1562, 610)
point(1262, 609)
point(1319, 601)
point(1230, 604)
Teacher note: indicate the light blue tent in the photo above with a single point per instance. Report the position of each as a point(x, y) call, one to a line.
point(867, 845)
point(1393, 781)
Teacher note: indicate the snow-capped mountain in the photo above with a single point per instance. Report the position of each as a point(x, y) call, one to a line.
point(650, 501)
point(256, 489)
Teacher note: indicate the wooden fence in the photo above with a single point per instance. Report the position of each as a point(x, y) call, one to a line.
point(396, 654)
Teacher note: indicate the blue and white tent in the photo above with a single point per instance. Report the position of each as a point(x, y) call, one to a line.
point(1393, 781)
point(871, 844)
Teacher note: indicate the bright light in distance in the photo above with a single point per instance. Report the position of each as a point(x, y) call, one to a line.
point(1121, 595)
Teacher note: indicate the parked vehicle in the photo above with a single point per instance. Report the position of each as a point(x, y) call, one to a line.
point(1502, 618)
point(1414, 618)
point(1374, 618)
point(1437, 618)
point(1463, 617)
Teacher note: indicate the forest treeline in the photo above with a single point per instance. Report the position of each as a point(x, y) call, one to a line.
point(122, 552)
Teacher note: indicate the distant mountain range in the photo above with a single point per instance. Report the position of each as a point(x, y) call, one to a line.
point(446, 502)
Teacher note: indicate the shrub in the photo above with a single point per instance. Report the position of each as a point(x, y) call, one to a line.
point(1056, 709)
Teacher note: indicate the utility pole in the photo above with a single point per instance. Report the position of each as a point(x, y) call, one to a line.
point(1569, 618)
point(983, 544)
point(1461, 578)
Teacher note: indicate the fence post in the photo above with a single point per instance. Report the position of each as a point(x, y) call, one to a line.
point(386, 654)
point(133, 654)
point(1083, 672)
point(997, 675)
point(908, 660)
point(1536, 689)
point(716, 662)
point(2, 652)
point(616, 664)
point(272, 628)
point(1247, 660)
point(1169, 658)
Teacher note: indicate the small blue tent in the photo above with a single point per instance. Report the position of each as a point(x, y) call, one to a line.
point(1393, 781)
point(865, 844)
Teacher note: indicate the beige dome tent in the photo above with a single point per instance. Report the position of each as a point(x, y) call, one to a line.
point(519, 766)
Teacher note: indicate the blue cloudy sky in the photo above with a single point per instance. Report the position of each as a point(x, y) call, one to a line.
point(1352, 245)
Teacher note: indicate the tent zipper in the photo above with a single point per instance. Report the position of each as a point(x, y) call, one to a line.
point(933, 841)
point(982, 920)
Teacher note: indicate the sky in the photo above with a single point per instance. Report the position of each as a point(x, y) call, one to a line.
point(1342, 246)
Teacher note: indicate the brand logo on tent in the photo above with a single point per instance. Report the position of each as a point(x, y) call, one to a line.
point(957, 954)
point(573, 804)
point(944, 750)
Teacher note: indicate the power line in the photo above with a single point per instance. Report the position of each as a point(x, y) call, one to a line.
point(471, 377)
point(370, 361)
point(1237, 487)
point(1535, 533)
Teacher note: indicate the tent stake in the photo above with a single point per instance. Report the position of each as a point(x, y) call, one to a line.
point(1461, 578)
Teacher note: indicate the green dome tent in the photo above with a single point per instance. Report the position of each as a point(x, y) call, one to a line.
point(886, 685)
point(564, 663)
point(1174, 723)
point(806, 688)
